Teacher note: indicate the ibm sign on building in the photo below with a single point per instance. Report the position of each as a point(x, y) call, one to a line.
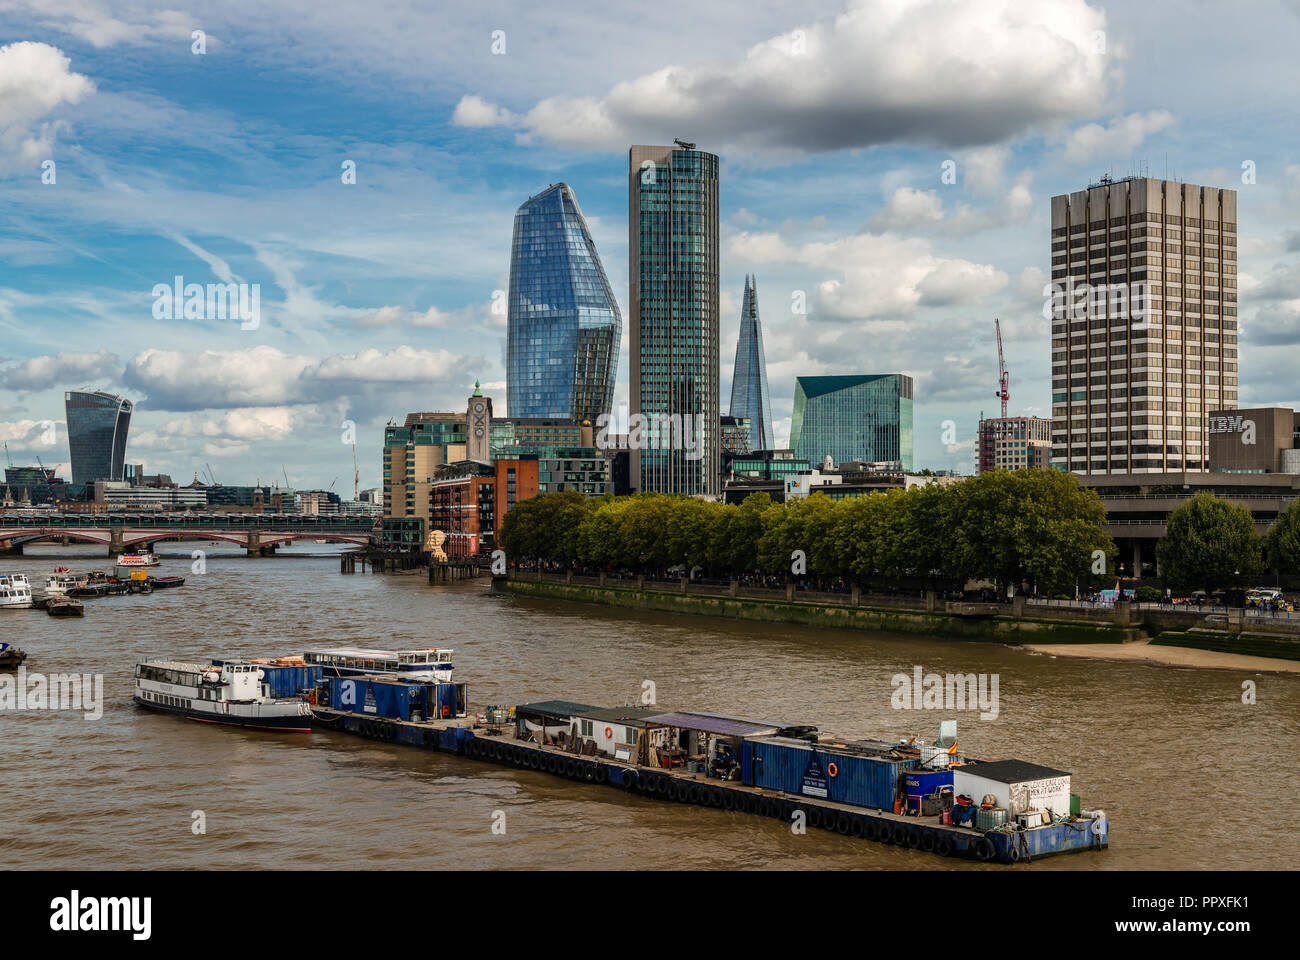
point(1254, 441)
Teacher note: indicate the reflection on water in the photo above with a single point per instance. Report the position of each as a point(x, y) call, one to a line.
point(1175, 759)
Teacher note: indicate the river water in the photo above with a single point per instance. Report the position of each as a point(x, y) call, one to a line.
point(1189, 776)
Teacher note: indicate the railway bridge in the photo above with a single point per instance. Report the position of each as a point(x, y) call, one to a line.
point(258, 533)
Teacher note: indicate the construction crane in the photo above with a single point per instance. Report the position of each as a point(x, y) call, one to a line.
point(356, 475)
point(1004, 378)
point(211, 476)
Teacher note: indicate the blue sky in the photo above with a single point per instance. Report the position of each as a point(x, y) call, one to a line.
point(833, 120)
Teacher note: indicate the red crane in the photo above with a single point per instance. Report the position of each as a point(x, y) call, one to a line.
point(1004, 378)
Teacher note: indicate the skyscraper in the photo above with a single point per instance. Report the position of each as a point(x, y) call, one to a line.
point(859, 417)
point(563, 326)
point(1144, 324)
point(673, 280)
point(97, 428)
point(749, 395)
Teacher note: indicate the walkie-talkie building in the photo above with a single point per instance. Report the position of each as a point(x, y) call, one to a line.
point(97, 427)
point(564, 326)
point(749, 395)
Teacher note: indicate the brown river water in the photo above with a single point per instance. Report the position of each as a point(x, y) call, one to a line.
point(1188, 775)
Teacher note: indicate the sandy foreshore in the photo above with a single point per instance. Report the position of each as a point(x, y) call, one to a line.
point(1142, 651)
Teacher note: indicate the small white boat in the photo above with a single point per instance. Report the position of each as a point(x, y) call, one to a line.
point(62, 582)
point(231, 694)
point(15, 592)
point(138, 560)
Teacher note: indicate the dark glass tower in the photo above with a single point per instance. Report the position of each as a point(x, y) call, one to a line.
point(97, 427)
point(749, 396)
point(673, 281)
point(564, 326)
point(861, 417)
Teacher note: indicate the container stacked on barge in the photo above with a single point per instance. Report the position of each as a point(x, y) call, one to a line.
point(905, 794)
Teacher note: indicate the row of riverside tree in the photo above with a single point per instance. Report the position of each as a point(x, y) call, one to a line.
point(1211, 544)
point(1034, 527)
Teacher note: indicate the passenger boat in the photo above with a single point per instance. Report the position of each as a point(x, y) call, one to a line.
point(62, 582)
point(426, 663)
point(144, 559)
point(11, 658)
point(15, 592)
point(232, 694)
point(64, 607)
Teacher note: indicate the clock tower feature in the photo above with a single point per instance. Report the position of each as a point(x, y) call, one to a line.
point(478, 426)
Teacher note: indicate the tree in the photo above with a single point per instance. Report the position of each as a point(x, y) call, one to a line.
point(1282, 543)
point(1209, 544)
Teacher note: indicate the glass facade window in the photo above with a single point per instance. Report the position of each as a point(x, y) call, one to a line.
point(673, 275)
point(749, 394)
point(97, 428)
point(862, 417)
point(564, 326)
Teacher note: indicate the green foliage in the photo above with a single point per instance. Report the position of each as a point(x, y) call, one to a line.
point(1210, 544)
point(1148, 594)
point(1282, 543)
point(1035, 526)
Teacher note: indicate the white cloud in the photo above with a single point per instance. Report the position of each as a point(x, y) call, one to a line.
point(875, 276)
point(928, 72)
point(1118, 139)
point(432, 318)
point(474, 111)
point(64, 368)
point(92, 21)
point(907, 207)
point(35, 80)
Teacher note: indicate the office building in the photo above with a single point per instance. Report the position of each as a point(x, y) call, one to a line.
point(563, 323)
point(673, 301)
point(750, 399)
point(1144, 324)
point(97, 427)
point(856, 417)
point(1014, 443)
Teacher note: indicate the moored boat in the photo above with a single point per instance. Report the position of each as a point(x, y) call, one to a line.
point(15, 592)
point(161, 582)
point(231, 693)
point(63, 581)
point(64, 607)
point(425, 663)
point(11, 658)
point(145, 558)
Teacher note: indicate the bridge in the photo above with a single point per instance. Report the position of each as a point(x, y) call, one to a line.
point(258, 533)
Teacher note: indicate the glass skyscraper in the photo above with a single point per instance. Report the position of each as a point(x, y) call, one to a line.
point(97, 427)
point(563, 327)
point(749, 395)
point(860, 417)
point(673, 281)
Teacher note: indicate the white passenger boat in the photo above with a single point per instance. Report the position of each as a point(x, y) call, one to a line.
point(62, 582)
point(231, 694)
point(427, 663)
point(15, 592)
point(145, 559)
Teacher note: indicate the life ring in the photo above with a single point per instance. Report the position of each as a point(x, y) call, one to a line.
point(446, 710)
point(832, 771)
point(609, 733)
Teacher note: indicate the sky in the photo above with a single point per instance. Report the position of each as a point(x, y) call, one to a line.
point(887, 169)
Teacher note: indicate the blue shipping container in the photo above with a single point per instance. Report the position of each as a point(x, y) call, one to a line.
point(377, 698)
point(816, 771)
point(288, 681)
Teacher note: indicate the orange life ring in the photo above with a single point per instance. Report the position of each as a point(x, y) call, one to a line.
point(609, 733)
point(446, 710)
point(832, 770)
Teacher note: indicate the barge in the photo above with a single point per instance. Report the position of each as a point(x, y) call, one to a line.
point(1014, 812)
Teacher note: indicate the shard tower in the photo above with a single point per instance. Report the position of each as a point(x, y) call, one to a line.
point(563, 323)
point(749, 395)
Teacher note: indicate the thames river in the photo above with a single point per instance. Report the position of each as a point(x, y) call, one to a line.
point(1189, 776)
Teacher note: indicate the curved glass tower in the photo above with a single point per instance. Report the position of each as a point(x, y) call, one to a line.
point(97, 427)
point(563, 326)
point(749, 396)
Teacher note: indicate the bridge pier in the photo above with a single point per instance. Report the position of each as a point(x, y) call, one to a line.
point(115, 548)
point(10, 549)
